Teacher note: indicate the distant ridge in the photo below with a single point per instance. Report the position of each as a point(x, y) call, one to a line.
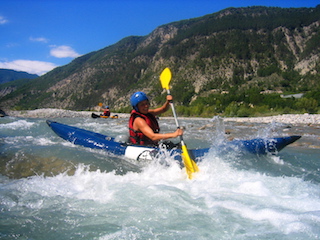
point(8, 75)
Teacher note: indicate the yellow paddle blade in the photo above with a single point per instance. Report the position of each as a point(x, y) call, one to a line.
point(190, 165)
point(165, 78)
point(100, 104)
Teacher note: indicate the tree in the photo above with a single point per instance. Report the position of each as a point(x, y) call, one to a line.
point(310, 105)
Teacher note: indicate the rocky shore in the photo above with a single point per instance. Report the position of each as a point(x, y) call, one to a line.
point(55, 113)
point(294, 119)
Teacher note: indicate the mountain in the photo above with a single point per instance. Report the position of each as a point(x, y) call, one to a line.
point(7, 75)
point(11, 80)
point(216, 60)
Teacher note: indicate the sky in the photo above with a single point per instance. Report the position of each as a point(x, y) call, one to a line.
point(38, 35)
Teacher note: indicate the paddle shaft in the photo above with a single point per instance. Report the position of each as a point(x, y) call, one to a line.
point(175, 116)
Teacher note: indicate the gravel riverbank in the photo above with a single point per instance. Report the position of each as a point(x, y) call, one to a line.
point(55, 113)
point(294, 119)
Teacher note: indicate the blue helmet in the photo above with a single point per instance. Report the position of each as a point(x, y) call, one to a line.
point(136, 98)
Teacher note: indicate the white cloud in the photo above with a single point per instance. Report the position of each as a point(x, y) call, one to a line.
point(63, 52)
point(29, 66)
point(39, 39)
point(3, 20)
point(12, 45)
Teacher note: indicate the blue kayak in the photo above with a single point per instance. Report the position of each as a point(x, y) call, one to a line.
point(91, 139)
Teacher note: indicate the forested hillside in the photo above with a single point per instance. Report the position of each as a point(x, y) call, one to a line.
point(236, 62)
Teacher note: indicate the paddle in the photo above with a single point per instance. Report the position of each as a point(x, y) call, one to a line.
point(93, 115)
point(190, 165)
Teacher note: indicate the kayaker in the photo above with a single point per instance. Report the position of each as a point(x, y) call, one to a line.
point(143, 125)
point(106, 111)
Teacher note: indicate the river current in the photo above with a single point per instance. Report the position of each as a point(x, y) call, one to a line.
point(52, 189)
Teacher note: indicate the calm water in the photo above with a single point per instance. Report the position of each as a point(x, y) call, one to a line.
point(51, 189)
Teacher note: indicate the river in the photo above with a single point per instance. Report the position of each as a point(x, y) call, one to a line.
point(52, 189)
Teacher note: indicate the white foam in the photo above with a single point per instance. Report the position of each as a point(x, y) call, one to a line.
point(217, 192)
point(20, 124)
point(40, 141)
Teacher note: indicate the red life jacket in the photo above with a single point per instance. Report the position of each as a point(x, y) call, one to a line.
point(106, 112)
point(137, 137)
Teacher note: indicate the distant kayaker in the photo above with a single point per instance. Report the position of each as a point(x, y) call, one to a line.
point(143, 125)
point(106, 111)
